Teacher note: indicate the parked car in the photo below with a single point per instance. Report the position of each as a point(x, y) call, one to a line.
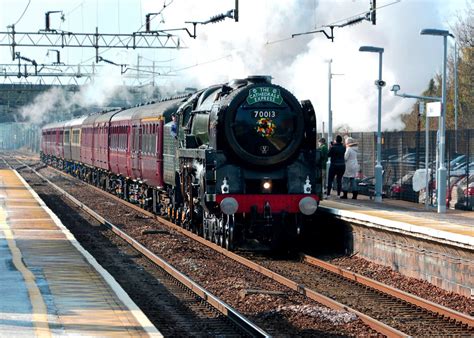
point(461, 159)
point(462, 169)
point(450, 200)
point(391, 158)
point(366, 187)
point(403, 188)
point(409, 158)
point(462, 194)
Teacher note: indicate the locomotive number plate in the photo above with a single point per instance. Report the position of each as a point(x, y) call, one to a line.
point(264, 113)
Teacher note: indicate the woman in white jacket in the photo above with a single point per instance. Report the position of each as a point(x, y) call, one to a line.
point(352, 168)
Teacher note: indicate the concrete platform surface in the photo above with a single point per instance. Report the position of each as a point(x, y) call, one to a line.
point(49, 285)
point(454, 226)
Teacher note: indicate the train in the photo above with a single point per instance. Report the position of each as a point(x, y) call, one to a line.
point(235, 163)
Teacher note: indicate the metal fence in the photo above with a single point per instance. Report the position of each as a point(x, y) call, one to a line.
point(404, 152)
point(17, 135)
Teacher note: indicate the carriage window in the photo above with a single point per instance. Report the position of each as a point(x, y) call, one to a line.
point(120, 137)
point(144, 139)
point(66, 136)
point(153, 139)
point(148, 144)
point(123, 137)
point(135, 142)
point(75, 136)
point(150, 139)
point(117, 137)
point(146, 147)
point(112, 137)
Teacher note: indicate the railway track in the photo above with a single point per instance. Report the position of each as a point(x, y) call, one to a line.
point(395, 308)
point(220, 318)
point(398, 314)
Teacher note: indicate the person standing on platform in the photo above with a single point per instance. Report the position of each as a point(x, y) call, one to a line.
point(338, 165)
point(349, 183)
point(323, 147)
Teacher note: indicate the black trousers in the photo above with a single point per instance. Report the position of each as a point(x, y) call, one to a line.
point(336, 171)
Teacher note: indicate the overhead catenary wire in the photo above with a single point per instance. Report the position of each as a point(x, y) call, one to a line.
point(21, 16)
point(75, 8)
point(351, 20)
point(165, 4)
point(200, 64)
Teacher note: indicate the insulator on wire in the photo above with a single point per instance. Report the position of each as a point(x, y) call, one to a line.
point(217, 18)
point(354, 21)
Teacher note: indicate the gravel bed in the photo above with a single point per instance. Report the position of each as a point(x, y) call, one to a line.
point(414, 286)
point(274, 307)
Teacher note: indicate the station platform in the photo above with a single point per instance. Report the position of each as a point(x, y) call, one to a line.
point(455, 227)
point(410, 239)
point(49, 285)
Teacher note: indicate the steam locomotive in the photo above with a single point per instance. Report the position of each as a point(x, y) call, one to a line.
point(235, 162)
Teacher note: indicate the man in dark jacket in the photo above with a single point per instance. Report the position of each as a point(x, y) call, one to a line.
point(323, 147)
point(338, 165)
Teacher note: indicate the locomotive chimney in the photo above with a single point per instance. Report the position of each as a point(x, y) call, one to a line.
point(260, 79)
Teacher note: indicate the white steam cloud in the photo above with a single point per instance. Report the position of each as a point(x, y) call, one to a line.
point(59, 104)
point(241, 49)
point(228, 50)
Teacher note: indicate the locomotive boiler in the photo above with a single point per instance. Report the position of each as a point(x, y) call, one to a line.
point(234, 162)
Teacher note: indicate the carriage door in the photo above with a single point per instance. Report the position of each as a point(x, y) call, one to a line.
point(136, 151)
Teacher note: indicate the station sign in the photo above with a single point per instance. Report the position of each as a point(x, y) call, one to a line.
point(433, 109)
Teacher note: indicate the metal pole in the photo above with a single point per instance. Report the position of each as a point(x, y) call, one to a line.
point(329, 140)
point(456, 97)
point(418, 128)
point(427, 152)
point(329, 103)
point(442, 138)
point(378, 166)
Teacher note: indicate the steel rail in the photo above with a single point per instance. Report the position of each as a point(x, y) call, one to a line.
point(369, 321)
point(387, 289)
point(241, 321)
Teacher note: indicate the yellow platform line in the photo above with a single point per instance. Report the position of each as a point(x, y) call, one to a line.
point(40, 313)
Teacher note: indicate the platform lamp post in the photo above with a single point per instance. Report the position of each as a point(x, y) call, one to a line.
point(441, 176)
point(379, 83)
point(330, 136)
point(328, 162)
point(395, 89)
point(456, 97)
point(329, 101)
